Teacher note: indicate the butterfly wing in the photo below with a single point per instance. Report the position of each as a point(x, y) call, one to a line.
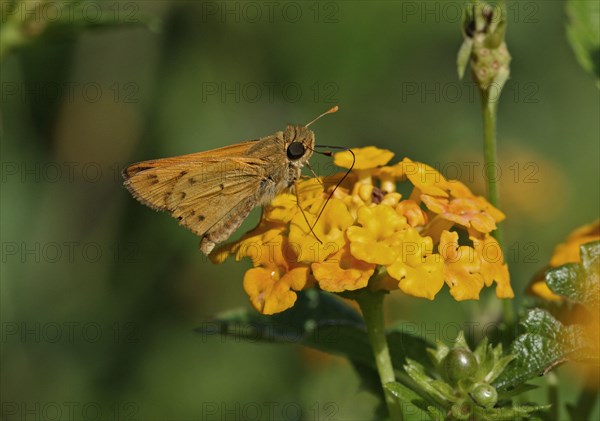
point(242, 149)
point(202, 189)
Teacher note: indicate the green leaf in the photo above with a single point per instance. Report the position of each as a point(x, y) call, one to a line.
point(491, 361)
point(583, 33)
point(405, 343)
point(481, 352)
point(496, 38)
point(322, 321)
point(369, 382)
point(508, 413)
point(498, 368)
point(545, 344)
point(578, 282)
point(464, 54)
point(564, 280)
point(414, 407)
point(590, 253)
point(440, 390)
point(461, 341)
point(318, 320)
point(438, 353)
point(523, 388)
point(540, 322)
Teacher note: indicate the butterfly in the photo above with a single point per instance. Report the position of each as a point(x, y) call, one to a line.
point(211, 193)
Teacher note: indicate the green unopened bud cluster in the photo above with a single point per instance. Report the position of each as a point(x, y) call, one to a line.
point(462, 385)
point(484, 28)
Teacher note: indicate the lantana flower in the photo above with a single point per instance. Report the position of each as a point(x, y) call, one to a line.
point(272, 283)
point(365, 234)
point(342, 272)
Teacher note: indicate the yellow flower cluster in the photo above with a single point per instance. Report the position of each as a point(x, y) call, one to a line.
point(368, 234)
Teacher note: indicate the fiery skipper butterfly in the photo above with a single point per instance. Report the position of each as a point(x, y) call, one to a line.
point(211, 193)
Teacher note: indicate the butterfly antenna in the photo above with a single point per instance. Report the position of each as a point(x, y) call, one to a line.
point(304, 215)
point(330, 111)
point(328, 153)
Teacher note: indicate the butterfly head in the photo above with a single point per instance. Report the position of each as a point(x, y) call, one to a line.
point(299, 143)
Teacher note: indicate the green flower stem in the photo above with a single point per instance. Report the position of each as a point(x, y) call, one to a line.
point(371, 305)
point(553, 398)
point(491, 162)
point(489, 150)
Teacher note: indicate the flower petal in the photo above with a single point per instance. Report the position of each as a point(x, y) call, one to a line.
point(270, 294)
point(366, 158)
point(376, 240)
point(342, 272)
point(423, 280)
point(426, 179)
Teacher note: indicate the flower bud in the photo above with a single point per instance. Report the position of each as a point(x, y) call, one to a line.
point(485, 395)
point(460, 363)
point(484, 28)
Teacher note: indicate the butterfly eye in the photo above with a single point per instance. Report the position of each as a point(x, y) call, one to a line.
point(295, 150)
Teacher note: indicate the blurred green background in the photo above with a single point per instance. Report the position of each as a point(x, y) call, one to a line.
point(100, 295)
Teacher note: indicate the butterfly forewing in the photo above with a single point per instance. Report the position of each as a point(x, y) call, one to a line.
point(203, 188)
point(202, 197)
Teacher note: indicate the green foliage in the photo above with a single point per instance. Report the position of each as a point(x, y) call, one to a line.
point(321, 321)
point(469, 393)
point(579, 282)
point(318, 320)
point(546, 341)
point(541, 347)
point(414, 407)
point(583, 32)
point(479, 383)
